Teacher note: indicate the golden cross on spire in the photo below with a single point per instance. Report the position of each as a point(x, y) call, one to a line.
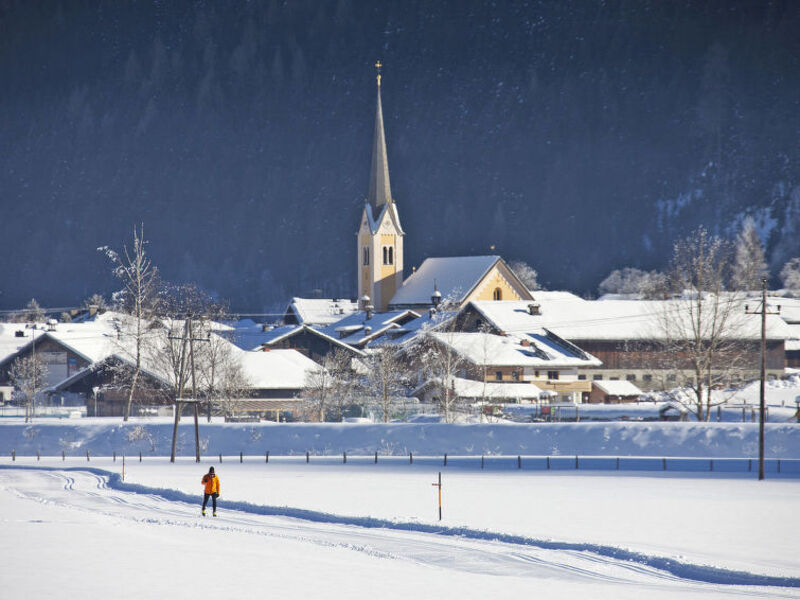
point(378, 66)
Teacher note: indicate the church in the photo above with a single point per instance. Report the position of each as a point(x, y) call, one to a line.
point(380, 239)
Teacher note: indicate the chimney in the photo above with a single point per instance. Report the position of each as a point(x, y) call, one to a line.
point(534, 309)
point(363, 302)
point(524, 343)
point(370, 311)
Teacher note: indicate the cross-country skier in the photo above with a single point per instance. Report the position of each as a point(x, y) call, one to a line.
point(211, 481)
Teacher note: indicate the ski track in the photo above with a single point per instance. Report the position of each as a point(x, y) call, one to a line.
point(97, 491)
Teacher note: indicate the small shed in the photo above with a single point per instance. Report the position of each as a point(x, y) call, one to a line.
point(613, 392)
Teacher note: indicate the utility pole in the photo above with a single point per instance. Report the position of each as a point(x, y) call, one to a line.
point(763, 311)
point(188, 336)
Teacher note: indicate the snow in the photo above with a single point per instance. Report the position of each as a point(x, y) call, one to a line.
point(322, 311)
point(576, 319)
point(294, 530)
point(454, 276)
point(276, 369)
point(469, 388)
point(620, 387)
point(152, 436)
point(541, 351)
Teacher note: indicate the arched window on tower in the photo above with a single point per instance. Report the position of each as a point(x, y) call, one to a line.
point(385, 255)
point(497, 294)
point(391, 255)
point(365, 255)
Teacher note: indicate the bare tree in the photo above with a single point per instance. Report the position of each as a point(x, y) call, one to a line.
point(27, 374)
point(438, 360)
point(139, 277)
point(344, 367)
point(320, 386)
point(526, 274)
point(32, 313)
point(385, 380)
point(647, 284)
point(702, 327)
point(749, 266)
point(790, 275)
point(221, 376)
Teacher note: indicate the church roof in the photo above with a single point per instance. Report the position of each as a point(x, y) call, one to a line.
point(455, 277)
point(380, 192)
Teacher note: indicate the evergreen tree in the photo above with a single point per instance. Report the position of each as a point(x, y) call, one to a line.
point(749, 266)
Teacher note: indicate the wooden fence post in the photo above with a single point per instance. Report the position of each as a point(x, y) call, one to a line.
point(13, 455)
point(481, 461)
point(576, 461)
point(267, 455)
point(519, 462)
point(618, 463)
point(140, 456)
point(664, 464)
point(445, 459)
point(308, 458)
point(548, 462)
point(241, 456)
point(63, 455)
point(411, 458)
point(87, 455)
point(344, 457)
point(376, 457)
point(37, 456)
point(220, 457)
point(115, 457)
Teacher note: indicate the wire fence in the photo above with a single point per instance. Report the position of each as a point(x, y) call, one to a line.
point(789, 467)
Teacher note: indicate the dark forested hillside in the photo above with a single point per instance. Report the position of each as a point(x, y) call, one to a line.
point(578, 136)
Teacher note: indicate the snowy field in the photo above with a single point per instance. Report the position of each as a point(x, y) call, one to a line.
point(288, 529)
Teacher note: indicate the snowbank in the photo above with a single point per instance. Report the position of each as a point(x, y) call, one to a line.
point(102, 437)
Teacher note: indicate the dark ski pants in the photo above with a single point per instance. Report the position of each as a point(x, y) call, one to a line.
point(213, 500)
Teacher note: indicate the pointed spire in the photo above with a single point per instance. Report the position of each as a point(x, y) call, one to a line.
point(380, 192)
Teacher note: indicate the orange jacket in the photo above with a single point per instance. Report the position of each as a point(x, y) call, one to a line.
point(212, 484)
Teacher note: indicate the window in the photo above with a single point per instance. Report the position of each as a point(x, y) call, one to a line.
point(365, 255)
point(391, 255)
point(581, 377)
point(536, 373)
point(498, 375)
point(614, 378)
point(647, 378)
point(497, 294)
point(515, 375)
point(671, 377)
point(630, 377)
point(597, 377)
point(552, 374)
point(388, 255)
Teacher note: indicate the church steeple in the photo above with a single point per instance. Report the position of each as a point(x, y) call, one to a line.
point(380, 235)
point(380, 191)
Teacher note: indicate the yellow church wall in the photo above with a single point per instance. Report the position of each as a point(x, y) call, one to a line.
point(493, 280)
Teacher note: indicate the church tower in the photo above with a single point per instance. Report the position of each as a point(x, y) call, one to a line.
point(380, 236)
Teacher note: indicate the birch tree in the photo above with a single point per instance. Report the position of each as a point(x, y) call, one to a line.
point(385, 380)
point(139, 300)
point(27, 375)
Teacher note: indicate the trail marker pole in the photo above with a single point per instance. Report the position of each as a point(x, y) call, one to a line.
point(439, 485)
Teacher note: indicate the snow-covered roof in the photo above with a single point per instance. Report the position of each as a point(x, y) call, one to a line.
point(276, 369)
point(789, 308)
point(620, 387)
point(539, 349)
point(469, 388)
point(321, 311)
point(356, 329)
point(455, 278)
point(576, 319)
point(253, 338)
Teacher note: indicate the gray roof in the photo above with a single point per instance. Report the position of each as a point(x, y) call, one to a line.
point(455, 277)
